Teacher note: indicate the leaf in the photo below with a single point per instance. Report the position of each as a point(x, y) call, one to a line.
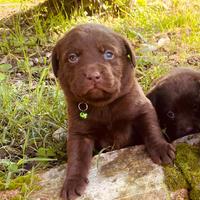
point(37, 159)
point(5, 67)
point(147, 48)
point(2, 76)
point(13, 168)
point(46, 152)
point(6, 162)
point(8, 179)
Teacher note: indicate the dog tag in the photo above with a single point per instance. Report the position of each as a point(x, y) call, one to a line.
point(83, 107)
point(83, 115)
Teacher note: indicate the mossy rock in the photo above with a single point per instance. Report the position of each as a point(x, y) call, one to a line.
point(186, 173)
point(175, 179)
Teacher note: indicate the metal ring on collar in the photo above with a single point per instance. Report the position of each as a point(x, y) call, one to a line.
point(82, 106)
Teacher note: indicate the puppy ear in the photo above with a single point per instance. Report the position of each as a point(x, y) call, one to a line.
point(152, 96)
point(198, 90)
point(55, 61)
point(129, 52)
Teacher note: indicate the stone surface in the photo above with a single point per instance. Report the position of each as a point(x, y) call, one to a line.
point(126, 174)
point(60, 134)
point(7, 195)
point(193, 140)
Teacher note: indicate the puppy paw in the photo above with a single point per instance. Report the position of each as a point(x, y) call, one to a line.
point(73, 187)
point(162, 153)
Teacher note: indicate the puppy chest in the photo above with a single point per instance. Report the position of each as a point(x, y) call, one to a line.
point(115, 135)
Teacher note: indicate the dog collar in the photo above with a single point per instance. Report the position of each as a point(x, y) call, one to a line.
point(83, 107)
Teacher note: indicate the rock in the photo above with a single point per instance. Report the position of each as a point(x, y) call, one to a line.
point(31, 63)
point(35, 61)
point(6, 195)
point(193, 140)
point(60, 134)
point(48, 54)
point(181, 194)
point(41, 60)
point(147, 48)
point(126, 174)
point(163, 41)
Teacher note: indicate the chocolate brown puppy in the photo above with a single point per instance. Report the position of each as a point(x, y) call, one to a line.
point(176, 98)
point(106, 106)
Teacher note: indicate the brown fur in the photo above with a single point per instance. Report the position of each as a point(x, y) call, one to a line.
point(176, 98)
point(119, 114)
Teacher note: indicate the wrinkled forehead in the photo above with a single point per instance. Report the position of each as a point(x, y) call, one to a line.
point(87, 38)
point(188, 99)
point(184, 100)
point(178, 95)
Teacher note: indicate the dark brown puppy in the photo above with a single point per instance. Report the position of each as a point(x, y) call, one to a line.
point(176, 98)
point(95, 67)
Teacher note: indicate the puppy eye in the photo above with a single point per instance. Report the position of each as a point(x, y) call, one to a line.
point(108, 55)
point(73, 58)
point(170, 114)
point(195, 107)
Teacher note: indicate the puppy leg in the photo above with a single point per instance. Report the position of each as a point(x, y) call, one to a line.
point(160, 151)
point(79, 152)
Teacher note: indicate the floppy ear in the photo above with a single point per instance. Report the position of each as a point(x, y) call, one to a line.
point(198, 89)
point(55, 62)
point(152, 96)
point(129, 52)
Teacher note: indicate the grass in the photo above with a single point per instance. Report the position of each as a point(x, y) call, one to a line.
point(32, 105)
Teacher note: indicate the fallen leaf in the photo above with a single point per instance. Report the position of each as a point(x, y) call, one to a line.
point(5, 67)
point(2, 76)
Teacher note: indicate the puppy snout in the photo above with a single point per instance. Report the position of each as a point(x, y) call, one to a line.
point(93, 76)
point(188, 129)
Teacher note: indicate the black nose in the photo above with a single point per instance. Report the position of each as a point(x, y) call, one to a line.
point(188, 129)
point(94, 76)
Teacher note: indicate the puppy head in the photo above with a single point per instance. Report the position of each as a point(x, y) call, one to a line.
point(177, 103)
point(93, 64)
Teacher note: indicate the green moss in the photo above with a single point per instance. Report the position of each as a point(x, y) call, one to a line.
point(195, 194)
point(186, 174)
point(174, 179)
point(18, 197)
point(188, 161)
point(2, 186)
point(19, 183)
point(24, 184)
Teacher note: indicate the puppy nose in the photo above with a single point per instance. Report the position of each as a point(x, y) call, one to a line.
point(93, 76)
point(188, 129)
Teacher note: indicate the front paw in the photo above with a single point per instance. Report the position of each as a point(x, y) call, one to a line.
point(161, 152)
point(73, 187)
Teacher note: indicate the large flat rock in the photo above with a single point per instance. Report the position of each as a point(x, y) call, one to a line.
point(126, 174)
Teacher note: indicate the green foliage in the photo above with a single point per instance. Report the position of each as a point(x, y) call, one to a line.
point(186, 174)
point(174, 179)
point(25, 184)
point(146, 77)
point(31, 103)
point(188, 160)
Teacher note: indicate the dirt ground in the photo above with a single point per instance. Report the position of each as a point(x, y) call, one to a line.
point(7, 9)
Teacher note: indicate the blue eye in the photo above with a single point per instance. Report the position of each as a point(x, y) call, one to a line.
point(73, 58)
point(108, 55)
